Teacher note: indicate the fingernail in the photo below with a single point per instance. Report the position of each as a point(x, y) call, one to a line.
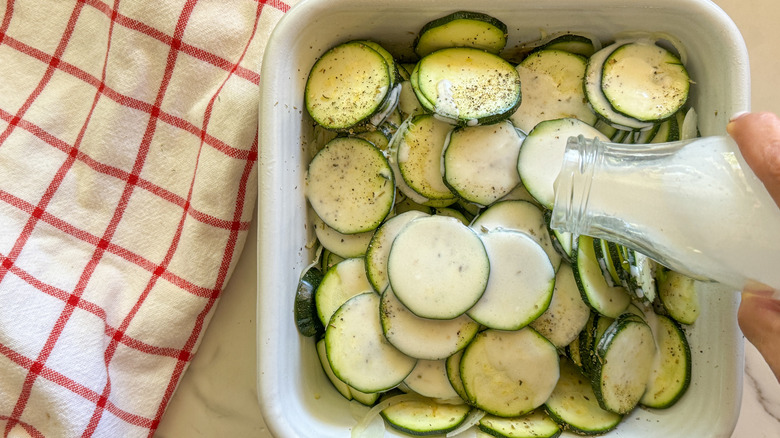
point(737, 115)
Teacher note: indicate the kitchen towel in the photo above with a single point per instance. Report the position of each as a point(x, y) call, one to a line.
point(128, 154)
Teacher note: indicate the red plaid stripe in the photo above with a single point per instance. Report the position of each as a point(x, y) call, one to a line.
point(128, 151)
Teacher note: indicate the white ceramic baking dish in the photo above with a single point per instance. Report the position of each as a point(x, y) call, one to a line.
point(295, 397)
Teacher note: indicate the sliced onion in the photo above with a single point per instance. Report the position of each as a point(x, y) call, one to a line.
point(689, 128)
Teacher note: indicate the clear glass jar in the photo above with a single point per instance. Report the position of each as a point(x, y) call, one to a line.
point(693, 206)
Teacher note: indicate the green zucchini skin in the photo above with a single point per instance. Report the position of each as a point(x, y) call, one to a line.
point(306, 319)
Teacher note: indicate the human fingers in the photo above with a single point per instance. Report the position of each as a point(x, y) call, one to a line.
point(758, 138)
point(759, 319)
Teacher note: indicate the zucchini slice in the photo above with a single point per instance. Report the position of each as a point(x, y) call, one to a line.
point(607, 300)
point(343, 245)
point(358, 352)
point(469, 86)
point(429, 379)
point(626, 353)
point(347, 85)
point(379, 247)
point(479, 161)
point(350, 185)
point(671, 374)
point(595, 95)
point(551, 84)
point(306, 319)
point(462, 29)
point(644, 81)
point(509, 373)
point(574, 405)
point(521, 281)
point(540, 158)
point(438, 267)
point(423, 338)
point(340, 283)
point(567, 314)
point(519, 215)
point(417, 154)
point(536, 424)
point(425, 417)
point(678, 296)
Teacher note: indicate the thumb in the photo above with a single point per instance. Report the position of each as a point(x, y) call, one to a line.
point(758, 138)
point(759, 319)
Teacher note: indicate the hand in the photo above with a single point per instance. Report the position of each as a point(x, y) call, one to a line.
point(758, 138)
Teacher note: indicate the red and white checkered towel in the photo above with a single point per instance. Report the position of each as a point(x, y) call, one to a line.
point(128, 151)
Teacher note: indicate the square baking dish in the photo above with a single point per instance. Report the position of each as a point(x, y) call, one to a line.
point(295, 396)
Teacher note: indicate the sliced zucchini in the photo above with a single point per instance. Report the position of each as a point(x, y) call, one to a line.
point(337, 383)
point(452, 365)
point(519, 215)
point(671, 375)
point(573, 404)
point(540, 158)
point(668, 130)
point(567, 314)
point(572, 43)
point(461, 29)
point(678, 295)
point(306, 318)
point(350, 185)
point(644, 81)
point(341, 282)
point(340, 104)
point(521, 281)
point(607, 300)
point(509, 373)
point(551, 85)
point(418, 152)
point(423, 338)
point(429, 379)
point(438, 267)
point(469, 86)
point(595, 95)
point(626, 354)
point(379, 248)
point(358, 352)
point(343, 245)
point(479, 161)
point(536, 424)
point(425, 417)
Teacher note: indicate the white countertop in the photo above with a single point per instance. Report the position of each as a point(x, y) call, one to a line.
point(218, 396)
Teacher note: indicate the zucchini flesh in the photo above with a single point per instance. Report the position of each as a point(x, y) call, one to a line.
point(438, 267)
point(539, 161)
point(567, 314)
point(461, 29)
point(644, 81)
point(423, 338)
point(340, 283)
point(478, 161)
point(536, 424)
point(509, 373)
point(339, 104)
point(604, 299)
point(671, 374)
point(429, 379)
point(677, 293)
point(521, 281)
point(358, 352)
point(626, 352)
point(425, 417)
point(469, 86)
point(551, 85)
point(519, 215)
point(574, 405)
point(418, 156)
point(350, 185)
point(379, 247)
